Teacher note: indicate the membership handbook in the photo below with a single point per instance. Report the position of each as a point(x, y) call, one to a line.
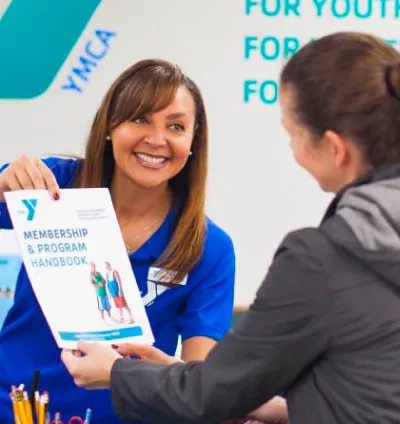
point(76, 260)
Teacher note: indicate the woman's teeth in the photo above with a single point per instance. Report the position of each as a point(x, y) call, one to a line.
point(151, 159)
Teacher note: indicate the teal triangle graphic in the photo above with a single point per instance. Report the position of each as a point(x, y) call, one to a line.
point(36, 37)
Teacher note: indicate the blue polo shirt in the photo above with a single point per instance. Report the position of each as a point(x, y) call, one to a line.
point(201, 307)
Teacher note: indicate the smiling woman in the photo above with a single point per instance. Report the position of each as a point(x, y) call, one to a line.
point(140, 144)
point(150, 120)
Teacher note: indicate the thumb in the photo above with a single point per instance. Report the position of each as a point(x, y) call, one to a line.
point(147, 353)
point(85, 347)
point(68, 358)
point(131, 349)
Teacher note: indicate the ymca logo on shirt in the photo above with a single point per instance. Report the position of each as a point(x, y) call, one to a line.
point(159, 281)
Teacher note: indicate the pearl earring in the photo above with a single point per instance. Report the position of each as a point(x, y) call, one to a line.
point(108, 138)
point(190, 153)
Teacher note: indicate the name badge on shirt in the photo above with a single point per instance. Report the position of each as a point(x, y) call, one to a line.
point(162, 276)
point(158, 282)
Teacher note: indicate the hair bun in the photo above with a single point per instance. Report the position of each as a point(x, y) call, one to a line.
point(393, 80)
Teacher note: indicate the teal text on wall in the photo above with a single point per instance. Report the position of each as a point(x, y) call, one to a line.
point(36, 37)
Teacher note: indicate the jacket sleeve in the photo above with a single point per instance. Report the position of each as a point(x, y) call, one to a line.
point(285, 330)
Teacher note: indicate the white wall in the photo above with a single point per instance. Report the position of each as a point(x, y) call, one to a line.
point(256, 192)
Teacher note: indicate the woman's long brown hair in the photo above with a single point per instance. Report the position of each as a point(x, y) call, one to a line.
point(147, 87)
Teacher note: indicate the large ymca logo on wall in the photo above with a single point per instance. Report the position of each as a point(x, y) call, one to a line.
point(36, 38)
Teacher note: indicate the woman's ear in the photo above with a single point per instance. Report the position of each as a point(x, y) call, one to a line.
point(337, 146)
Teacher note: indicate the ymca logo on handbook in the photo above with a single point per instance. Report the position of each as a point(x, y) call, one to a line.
point(27, 209)
point(30, 208)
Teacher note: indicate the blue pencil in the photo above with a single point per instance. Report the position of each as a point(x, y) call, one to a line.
point(88, 416)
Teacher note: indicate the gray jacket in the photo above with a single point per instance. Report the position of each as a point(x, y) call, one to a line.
point(324, 330)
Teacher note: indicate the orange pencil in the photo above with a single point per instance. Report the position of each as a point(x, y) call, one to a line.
point(28, 409)
point(41, 410)
point(15, 409)
point(20, 405)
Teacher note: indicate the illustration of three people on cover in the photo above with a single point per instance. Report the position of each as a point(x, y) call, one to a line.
point(105, 288)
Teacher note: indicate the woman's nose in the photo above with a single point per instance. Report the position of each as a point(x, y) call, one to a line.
point(156, 137)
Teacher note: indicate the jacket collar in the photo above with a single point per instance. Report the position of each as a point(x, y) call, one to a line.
point(386, 173)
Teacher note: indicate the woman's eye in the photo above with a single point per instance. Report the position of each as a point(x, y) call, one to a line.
point(140, 120)
point(177, 127)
